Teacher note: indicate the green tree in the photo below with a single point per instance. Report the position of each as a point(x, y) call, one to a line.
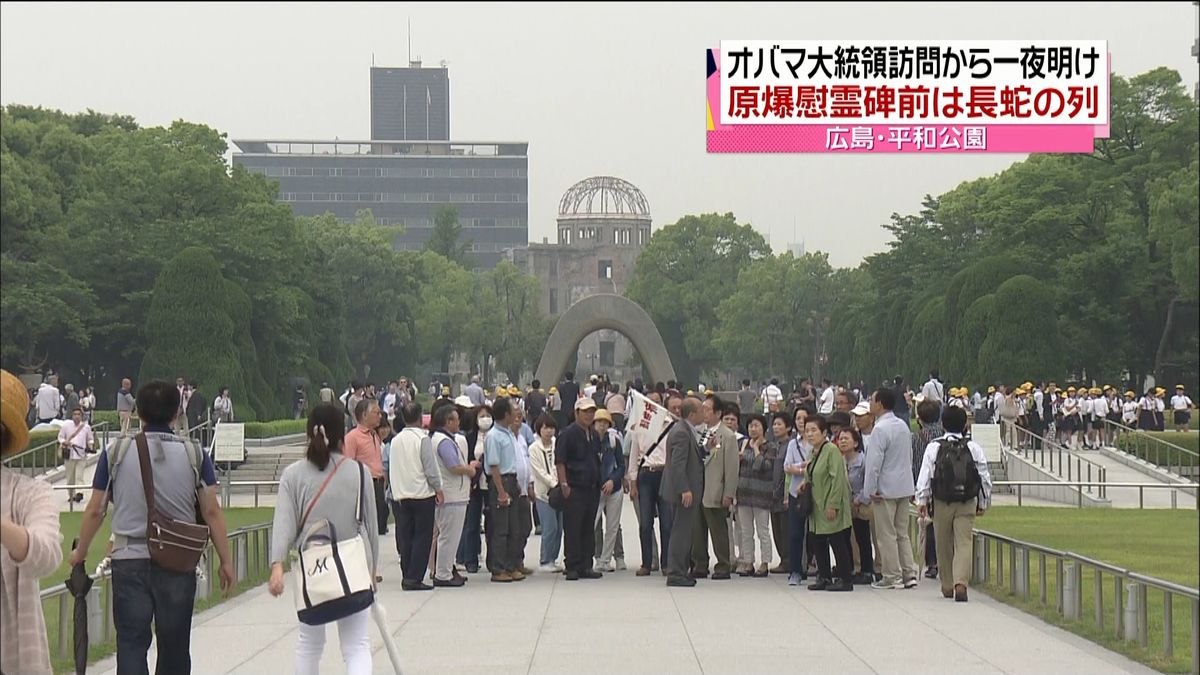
point(446, 239)
point(682, 275)
point(444, 314)
point(190, 326)
point(511, 327)
point(1022, 340)
point(771, 322)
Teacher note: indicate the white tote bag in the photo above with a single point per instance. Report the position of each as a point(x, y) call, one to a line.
point(332, 577)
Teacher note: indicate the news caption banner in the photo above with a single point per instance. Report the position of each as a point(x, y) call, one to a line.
point(924, 96)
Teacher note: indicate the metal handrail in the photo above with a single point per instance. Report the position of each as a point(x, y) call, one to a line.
point(249, 548)
point(1078, 485)
point(1153, 449)
point(49, 453)
point(1044, 452)
point(1129, 590)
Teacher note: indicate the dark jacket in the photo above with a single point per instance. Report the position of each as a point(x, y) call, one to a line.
point(685, 468)
point(568, 393)
point(580, 456)
point(197, 407)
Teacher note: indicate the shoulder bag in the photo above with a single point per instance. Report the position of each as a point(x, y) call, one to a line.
point(333, 579)
point(554, 497)
point(174, 545)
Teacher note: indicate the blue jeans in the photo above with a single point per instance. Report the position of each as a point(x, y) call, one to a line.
point(649, 503)
point(470, 546)
point(552, 532)
point(143, 592)
point(797, 536)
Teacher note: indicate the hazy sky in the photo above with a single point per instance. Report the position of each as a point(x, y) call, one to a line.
point(594, 89)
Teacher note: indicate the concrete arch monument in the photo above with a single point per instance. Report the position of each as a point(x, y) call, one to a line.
point(598, 312)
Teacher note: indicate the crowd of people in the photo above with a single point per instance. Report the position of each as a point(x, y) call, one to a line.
point(822, 480)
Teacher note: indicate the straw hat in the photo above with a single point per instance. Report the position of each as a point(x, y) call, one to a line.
point(14, 404)
point(603, 414)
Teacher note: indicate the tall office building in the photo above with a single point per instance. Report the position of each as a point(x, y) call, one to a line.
point(405, 184)
point(407, 171)
point(410, 104)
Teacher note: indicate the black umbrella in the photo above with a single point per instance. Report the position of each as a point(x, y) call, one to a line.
point(79, 583)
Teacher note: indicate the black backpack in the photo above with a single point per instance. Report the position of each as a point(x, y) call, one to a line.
point(955, 478)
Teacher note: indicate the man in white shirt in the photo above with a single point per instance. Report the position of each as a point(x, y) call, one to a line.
point(772, 396)
point(934, 390)
point(955, 508)
point(590, 390)
point(828, 396)
point(75, 438)
point(1182, 407)
point(48, 401)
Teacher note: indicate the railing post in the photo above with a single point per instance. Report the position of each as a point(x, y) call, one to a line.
point(1143, 636)
point(1023, 579)
point(1060, 585)
point(987, 558)
point(999, 563)
point(1118, 607)
point(64, 625)
point(1020, 501)
point(243, 568)
point(1042, 577)
point(1098, 588)
point(1196, 634)
point(1141, 497)
point(1012, 569)
point(1168, 625)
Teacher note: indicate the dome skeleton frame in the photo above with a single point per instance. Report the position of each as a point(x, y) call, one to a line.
point(603, 196)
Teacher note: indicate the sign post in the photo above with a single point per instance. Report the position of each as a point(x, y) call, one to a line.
point(229, 442)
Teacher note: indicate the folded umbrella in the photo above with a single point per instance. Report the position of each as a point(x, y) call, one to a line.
point(79, 584)
point(380, 615)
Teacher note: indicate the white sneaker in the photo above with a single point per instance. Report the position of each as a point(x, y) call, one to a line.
point(548, 568)
point(609, 566)
point(560, 567)
point(911, 583)
point(885, 585)
point(621, 564)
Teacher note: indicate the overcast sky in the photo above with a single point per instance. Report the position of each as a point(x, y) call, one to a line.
point(595, 89)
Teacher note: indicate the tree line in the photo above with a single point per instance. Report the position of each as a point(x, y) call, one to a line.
point(139, 252)
point(1062, 266)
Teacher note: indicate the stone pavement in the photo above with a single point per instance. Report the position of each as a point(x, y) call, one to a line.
point(626, 624)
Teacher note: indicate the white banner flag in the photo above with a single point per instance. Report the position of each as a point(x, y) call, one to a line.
point(648, 416)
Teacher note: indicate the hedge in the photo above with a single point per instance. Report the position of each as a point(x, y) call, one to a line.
point(1188, 440)
point(275, 428)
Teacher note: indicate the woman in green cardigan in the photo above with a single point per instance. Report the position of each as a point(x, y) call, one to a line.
point(830, 520)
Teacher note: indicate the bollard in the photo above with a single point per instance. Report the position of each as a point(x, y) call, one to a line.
point(1070, 590)
point(1131, 611)
point(95, 616)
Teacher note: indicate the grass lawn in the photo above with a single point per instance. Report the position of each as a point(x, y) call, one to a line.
point(235, 518)
point(1154, 542)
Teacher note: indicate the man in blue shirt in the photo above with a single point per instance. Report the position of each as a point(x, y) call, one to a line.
point(500, 457)
point(889, 486)
point(142, 591)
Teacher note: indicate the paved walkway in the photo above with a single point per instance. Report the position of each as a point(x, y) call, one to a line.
point(626, 624)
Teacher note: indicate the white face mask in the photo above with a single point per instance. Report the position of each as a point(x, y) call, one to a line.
point(485, 423)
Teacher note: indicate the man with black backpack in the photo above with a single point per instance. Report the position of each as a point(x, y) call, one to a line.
point(954, 474)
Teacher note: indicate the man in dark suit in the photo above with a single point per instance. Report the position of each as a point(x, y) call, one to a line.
point(197, 408)
point(568, 394)
point(683, 486)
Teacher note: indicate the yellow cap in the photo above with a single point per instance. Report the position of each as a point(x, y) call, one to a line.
point(513, 391)
point(603, 414)
point(1107, 387)
point(1094, 390)
point(691, 392)
point(1179, 386)
point(553, 390)
point(1062, 394)
point(709, 392)
point(1130, 394)
point(991, 390)
point(1160, 391)
point(1070, 389)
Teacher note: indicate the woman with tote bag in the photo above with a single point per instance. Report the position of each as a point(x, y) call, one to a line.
point(320, 513)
